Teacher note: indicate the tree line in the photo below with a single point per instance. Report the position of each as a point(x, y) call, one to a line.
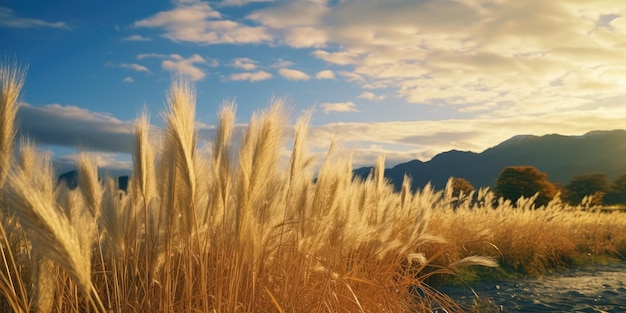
point(526, 181)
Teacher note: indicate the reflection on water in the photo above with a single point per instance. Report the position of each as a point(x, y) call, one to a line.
point(599, 288)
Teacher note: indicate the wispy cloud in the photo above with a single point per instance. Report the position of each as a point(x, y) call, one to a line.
point(244, 64)
point(352, 77)
point(196, 21)
point(250, 76)
point(151, 55)
point(280, 63)
point(185, 66)
point(339, 58)
point(371, 96)
point(348, 106)
point(292, 74)
point(134, 67)
point(325, 74)
point(241, 2)
point(9, 19)
point(136, 38)
point(128, 79)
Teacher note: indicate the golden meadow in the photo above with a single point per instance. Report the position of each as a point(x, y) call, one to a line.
point(238, 230)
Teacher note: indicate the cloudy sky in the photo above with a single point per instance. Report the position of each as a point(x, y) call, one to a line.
point(407, 78)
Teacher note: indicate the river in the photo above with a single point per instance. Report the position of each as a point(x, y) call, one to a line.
point(596, 288)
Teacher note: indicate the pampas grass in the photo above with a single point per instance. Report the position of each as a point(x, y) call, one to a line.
point(236, 229)
point(11, 80)
point(47, 228)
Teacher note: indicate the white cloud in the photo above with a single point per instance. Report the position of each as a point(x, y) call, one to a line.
point(352, 77)
point(244, 64)
point(150, 55)
point(305, 37)
point(280, 63)
point(340, 58)
point(253, 77)
point(135, 67)
point(10, 20)
point(128, 79)
point(371, 96)
point(325, 74)
point(136, 38)
point(241, 2)
point(109, 164)
point(291, 14)
point(185, 66)
point(496, 57)
point(348, 106)
point(292, 74)
point(195, 21)
point(404, 141)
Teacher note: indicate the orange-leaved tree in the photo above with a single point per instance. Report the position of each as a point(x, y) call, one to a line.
point(524, 181)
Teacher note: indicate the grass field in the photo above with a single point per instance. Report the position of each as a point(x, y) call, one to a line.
point(235, 229)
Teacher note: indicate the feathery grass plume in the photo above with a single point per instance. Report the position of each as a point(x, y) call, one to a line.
point(48, 229)
point(179, 200)
point(326, 186)
point(143, 196)
point(259, 186)
point(44, 281)
point(119, 220)
point(179, 162)
point(11, 81)
point(222, 168)
point(474, 260)
point(379, 173)
point(37, 167)
point(300, 173)
point(121, 227)
point(300, 161)
point(143, 178)
point(87, 168)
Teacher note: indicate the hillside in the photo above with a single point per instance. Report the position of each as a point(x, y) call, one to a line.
point(561, 157)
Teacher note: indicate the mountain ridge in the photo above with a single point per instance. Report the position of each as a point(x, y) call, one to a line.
point(561, 157)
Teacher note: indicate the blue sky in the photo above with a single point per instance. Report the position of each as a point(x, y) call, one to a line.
point(406, 78)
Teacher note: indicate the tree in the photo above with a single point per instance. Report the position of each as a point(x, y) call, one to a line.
point(619, 184)
point(595, 185)
point(461, 185)
point(617, 194)
point(524, 181)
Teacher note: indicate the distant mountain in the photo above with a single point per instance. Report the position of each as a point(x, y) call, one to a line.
point(71, 180)
point(561, 157)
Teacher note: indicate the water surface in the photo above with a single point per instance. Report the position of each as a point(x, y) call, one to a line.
point(597, 288)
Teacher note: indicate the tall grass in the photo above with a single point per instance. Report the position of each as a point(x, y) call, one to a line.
point(233, 229)
point(530, 240)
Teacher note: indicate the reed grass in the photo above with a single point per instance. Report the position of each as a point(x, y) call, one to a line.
point(234, 229)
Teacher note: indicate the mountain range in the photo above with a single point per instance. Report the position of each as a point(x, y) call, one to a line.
point(560, 157)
